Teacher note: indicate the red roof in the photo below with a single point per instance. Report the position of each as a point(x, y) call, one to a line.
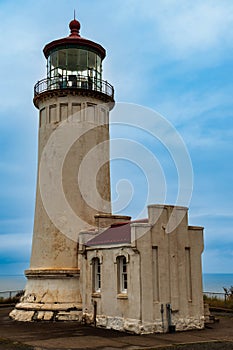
point(74, 39)
point(118, 233)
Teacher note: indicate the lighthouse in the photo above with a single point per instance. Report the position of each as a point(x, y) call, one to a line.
point(73, 102)
point(88, 265)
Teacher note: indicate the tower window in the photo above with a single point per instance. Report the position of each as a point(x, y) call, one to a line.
point(96, 275)
point(122, 274)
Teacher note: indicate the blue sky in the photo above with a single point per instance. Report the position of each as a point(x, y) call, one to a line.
point(175, 57)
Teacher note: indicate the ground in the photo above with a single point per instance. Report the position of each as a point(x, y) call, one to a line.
point(64, 335)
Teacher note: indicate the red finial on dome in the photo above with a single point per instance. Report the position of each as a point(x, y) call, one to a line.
point(74, 27)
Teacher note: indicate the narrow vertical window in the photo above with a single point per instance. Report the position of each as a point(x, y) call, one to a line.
point(42, 117)
point(188, 273)
point(96, 275)
point(155, 273)
point(122, 274)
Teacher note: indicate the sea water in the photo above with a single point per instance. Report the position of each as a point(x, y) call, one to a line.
point(12, 282)
point(214, 282)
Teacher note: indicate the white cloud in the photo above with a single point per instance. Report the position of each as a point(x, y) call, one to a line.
point(186, 27)
point(195, 113)
point(15, 243)
point(196, 27)
point(191, 104)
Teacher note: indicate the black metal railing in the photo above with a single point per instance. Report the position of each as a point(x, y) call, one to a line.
point(74, 82)
point(219, 296)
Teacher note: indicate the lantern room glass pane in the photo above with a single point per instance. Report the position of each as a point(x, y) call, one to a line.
point(98, 64)
point(74, 67)
point(72, 56)
point(62, 59)
point(53, 59)
point(52, 65)
point(92, 60)
point(82, 60)
point(74, 59)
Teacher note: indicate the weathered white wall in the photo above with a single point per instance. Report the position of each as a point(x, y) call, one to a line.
point(157, 275)
point(62, 212)
point(51, 248)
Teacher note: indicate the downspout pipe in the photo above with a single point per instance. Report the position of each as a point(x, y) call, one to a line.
point(171, 327)
point(162, 316)
point(95, 312)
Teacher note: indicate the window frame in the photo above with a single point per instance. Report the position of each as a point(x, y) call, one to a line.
point(96, 275)
point(122, 274)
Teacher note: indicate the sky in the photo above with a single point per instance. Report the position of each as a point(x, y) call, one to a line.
point(173, 57)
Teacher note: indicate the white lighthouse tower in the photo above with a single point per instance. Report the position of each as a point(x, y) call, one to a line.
point(74, 103)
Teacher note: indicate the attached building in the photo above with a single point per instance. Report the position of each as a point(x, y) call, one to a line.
point(138, 277)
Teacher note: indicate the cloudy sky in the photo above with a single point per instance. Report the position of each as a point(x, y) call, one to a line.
point(171, 56)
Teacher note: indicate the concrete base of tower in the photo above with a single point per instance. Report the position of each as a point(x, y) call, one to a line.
point(50, 294)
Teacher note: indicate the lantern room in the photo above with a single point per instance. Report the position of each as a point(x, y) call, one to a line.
point(74, 67)
point(74, 62)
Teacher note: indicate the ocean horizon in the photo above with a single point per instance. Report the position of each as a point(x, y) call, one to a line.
point(12, 282)
point(212, 282)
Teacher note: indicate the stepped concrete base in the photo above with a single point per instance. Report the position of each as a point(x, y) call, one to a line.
point(40, 312)
point(50, 295)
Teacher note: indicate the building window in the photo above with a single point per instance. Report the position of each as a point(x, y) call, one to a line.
point(96, 275)
point(122, 274)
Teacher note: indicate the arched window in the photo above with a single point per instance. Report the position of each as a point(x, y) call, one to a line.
point(96, 275)
point(122, 274)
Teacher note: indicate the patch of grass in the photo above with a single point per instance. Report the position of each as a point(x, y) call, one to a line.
point(215, 302)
